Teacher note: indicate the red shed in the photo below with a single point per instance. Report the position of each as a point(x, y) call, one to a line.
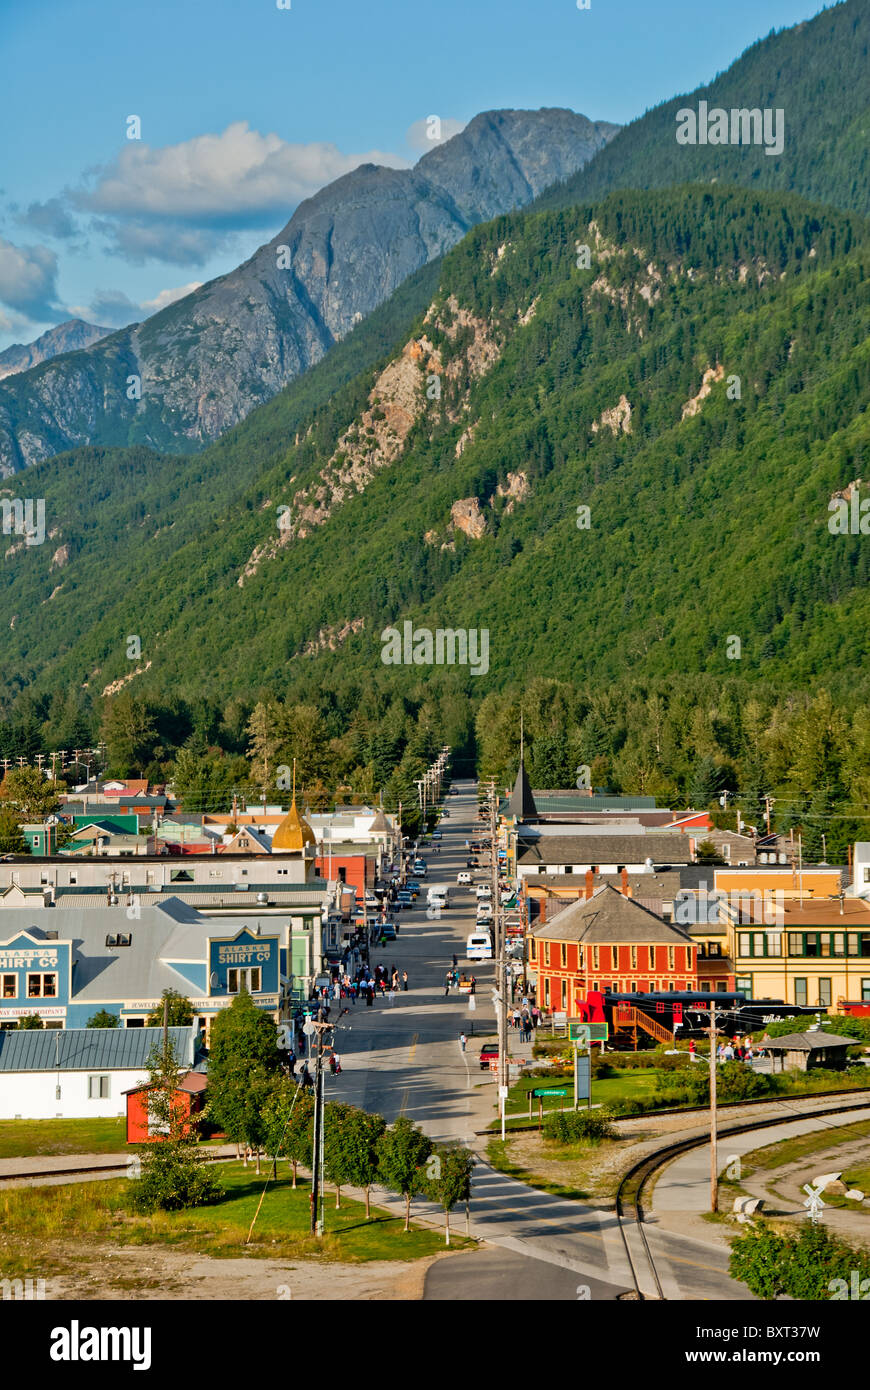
point(190, 1095)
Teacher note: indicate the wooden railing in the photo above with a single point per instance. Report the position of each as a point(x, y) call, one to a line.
point(631, 1017)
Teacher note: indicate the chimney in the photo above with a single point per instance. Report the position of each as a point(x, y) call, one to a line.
point(624, 889)
point(590, 883)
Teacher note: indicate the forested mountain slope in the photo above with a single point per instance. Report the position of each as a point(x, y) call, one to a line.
point(701, 387)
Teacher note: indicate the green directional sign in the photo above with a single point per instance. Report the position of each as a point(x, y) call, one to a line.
point(550, 1091)
point(588, 1032)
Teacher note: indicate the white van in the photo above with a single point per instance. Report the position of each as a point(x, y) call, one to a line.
point(464, 878)
point(479, 946)
point(483, 890)
point(438, 895)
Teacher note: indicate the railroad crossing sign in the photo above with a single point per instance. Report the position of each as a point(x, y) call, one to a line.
point(589, 1032)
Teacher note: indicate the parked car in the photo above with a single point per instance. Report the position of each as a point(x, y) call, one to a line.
point(488, 1052)
point(420, 867)
point(436, 834)
point(404, 898)
point(388, 930)
point(472, 863)
point(464, 877)
point(483, 890)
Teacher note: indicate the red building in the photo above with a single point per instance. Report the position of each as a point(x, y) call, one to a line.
point(608, 942)
point(356, 870)
point(190, 1096)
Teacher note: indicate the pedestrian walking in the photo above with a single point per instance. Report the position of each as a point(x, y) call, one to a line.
point(455, 961)
point(404, 979)
point(447, 981)
point(472, 985)
point(462, 1041)
point(391, 996)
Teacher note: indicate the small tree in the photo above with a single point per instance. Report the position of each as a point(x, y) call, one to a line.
point(243, 1059)
point(338, 1121)
point(29, 791)
point(180, 1011)
point(174, 1174)
point(103, 1019)
point(287, 1115)
point(299, 1139)
point(402, 1154)
point(12, 839)
point(448, 1172)
point(360, 1137)
point(31, 1021)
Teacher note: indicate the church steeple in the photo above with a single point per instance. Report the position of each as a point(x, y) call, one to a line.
point(294, 833)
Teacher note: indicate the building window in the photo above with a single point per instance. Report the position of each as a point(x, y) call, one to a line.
point(42, 986)
point(214, 873)
point(824, 991)
point(652, 957)
point(73, 877)
point(614, 957)
point(547, 954)
point(722, 985)
point(98, 1088)
point(248, 979)
point(705, 987)
point(546, 991)
point(564, 995)
point(865, 991)
point(569, 868)
point(595, 953)
point(800, 991)
point(634, 957)
point(743, 985)
point(563, 951)
point(10, 986)
point(282, 871)
point(671, 957)
point(534, 950)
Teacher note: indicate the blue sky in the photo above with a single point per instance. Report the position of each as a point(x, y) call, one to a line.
point(246, 108)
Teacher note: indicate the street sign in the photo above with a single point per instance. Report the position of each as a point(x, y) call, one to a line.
point(550, 1091)
point(589, 1032)
point(503, 1092)
point(308, 1028)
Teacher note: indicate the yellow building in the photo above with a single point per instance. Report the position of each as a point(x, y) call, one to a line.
point(815, 953)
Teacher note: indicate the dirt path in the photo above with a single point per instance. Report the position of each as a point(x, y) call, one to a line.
point(147, 1272)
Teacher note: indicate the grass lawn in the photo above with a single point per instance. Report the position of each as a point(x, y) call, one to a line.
point(100, 1211)
point(29, 1138)
point(25, 1138)
point(604, 1092)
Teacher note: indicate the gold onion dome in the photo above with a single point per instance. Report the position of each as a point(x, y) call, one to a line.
point(294, 832)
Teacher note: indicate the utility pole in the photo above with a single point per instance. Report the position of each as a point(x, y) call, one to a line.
point(768, 802)
point(501, 977)
point(318, 1138)
point(714, 1156)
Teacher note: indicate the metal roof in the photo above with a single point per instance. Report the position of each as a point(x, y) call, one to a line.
point(89, 1049)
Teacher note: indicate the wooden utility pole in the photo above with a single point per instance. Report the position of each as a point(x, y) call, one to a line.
point(499, 936)
point(714, 1156)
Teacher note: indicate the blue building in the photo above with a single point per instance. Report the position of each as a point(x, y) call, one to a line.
point(93, 959)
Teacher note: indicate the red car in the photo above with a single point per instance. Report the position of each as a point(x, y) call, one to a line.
point(488, 1053)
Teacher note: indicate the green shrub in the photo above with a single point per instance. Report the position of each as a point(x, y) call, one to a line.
point(174, 1177)
point(567, 1126)
point(632, 1106)
point(803, 1266)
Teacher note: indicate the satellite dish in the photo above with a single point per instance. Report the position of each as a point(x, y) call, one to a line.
point(213, 980)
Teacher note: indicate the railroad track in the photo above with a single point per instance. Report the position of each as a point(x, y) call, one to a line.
point(629, 1195)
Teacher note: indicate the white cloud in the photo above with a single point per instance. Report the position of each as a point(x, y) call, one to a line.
point(166, 297)
point(115, 309)
point(28, 279)
point(424, 135)
point(227, 179)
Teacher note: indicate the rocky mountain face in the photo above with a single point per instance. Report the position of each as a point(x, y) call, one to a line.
point(188, 373)
point(66, 337)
